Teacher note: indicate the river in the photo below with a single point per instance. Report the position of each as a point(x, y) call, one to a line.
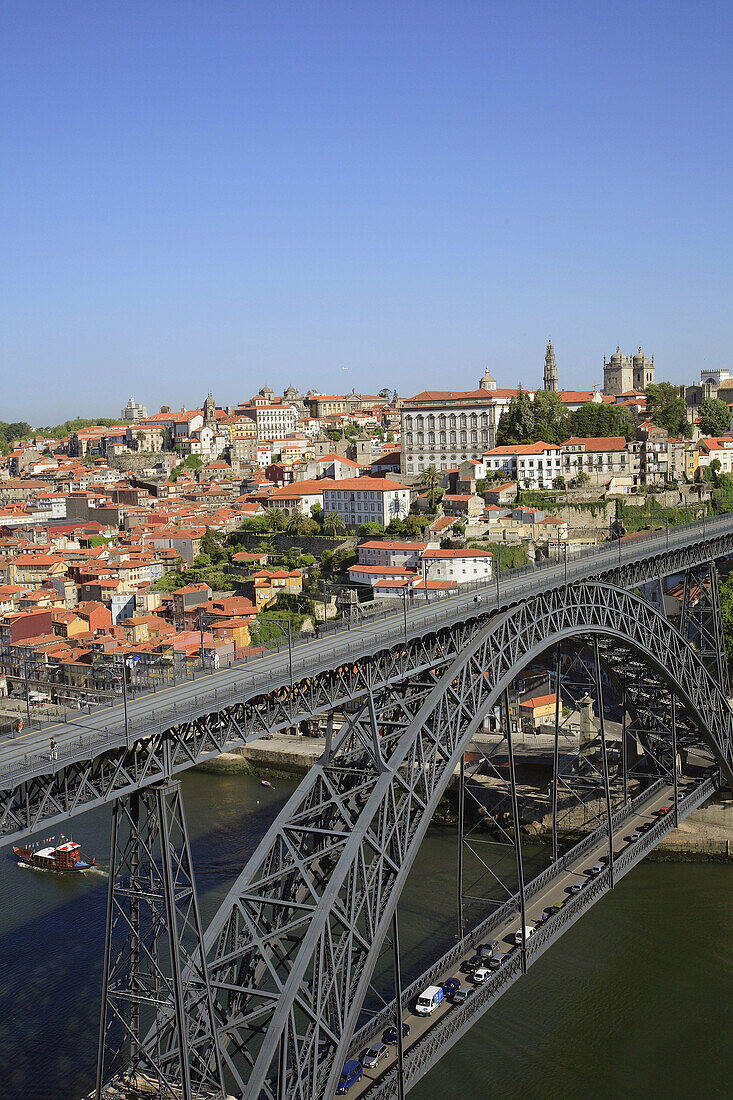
point(636, 1000)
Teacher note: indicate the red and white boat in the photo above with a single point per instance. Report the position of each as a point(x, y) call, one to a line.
point(47, 855)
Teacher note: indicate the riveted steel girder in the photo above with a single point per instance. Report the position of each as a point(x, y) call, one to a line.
point(292, 949)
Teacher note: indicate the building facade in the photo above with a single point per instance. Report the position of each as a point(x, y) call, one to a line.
point(367, 500)
point(443, 428)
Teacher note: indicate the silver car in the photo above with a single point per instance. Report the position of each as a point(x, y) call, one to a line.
point(498, 960)
point(374, 1055)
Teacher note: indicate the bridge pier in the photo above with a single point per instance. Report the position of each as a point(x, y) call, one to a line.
point(157, 1034)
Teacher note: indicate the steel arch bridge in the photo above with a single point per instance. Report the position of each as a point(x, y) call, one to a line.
point(293, 948)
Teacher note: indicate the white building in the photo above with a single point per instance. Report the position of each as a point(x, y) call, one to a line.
point(459, 566)
point(298, 496)
point(275, 421)
point(378, 552)
point(443, 428)
point(720, 447)
point(531, 465)
point(367, 500)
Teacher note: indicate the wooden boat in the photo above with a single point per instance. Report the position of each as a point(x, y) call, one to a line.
point(47, 855)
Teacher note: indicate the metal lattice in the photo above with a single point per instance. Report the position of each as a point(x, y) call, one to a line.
point(293, 947)
point(155, 978)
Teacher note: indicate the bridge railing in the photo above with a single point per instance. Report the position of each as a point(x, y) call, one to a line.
point(308, 661)
point(426, 1050)
point(385, 1016)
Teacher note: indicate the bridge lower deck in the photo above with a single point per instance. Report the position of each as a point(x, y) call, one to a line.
point(430, 1037)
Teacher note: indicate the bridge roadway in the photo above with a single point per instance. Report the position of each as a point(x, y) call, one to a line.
point(27, 756)
point(431, 1036)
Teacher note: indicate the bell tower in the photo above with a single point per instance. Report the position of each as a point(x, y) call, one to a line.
point(550, 376)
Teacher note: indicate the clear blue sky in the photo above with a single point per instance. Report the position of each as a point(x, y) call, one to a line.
point(216, 195)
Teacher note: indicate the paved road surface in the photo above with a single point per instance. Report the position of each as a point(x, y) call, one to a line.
point(554, 893)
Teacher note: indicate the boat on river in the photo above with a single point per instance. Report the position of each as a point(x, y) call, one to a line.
point(47, 855)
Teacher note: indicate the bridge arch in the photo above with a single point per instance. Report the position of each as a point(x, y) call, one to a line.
point(293, 947)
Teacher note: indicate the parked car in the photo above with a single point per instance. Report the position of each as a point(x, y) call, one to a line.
point(636, 835)
point(451, 986)
point(474, 962)
point(350, 1074)
point(596, 869)
point(487, 950)
point(372, 1057)
point(663, 810)
point(577, 887)
point(429, 1000)
point(480, 975)
point(498, 960)
point(459, 996)
point(390, 1035)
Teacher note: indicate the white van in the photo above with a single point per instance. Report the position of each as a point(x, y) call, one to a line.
point(429, 1000)
point(528, 930)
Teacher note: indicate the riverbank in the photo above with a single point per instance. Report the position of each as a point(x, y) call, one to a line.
point(706, 835)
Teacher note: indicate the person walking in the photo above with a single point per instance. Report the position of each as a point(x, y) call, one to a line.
point(54, 753)
point(19, 726)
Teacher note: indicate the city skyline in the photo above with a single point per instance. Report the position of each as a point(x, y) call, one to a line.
point(235, 193)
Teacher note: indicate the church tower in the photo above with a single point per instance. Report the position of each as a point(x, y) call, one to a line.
point(209, 412)
point(550, 369)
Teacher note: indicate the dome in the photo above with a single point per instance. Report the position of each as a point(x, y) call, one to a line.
point(617, 356)
point(640, 360)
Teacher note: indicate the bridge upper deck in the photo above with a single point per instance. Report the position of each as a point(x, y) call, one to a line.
point(627, 564)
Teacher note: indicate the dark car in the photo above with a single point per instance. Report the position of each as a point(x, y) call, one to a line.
point(451, 986)
point(459, 996)
point(350, 1074)
point(390, 1035)
point(487, 950)
point(475, 962)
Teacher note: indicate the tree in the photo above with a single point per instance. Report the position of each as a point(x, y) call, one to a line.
point(371, 528)
point(430, 479)
point(384, 394)
point(396, 526)
point(333, 524)
point(211, 545)
point(549, 416)
point(595, 419)
point(714, 416)
point(296, 523)
point(278, 519)
point(558, 482)
point(666, 407)
point(516, 425)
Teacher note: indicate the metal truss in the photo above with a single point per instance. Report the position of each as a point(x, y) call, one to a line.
point(101, 775)
point(701, 621)
point(154, 964)
point(97, 766)
point(292, 949)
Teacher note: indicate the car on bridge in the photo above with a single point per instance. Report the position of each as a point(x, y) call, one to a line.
point(390, 1035)
point(376, 1053)
point(480, 975)
point(352, 1072)
point(451, 986)
point(577, 887)
point(473, 963)
point(460, 995)
point(429, 1000)
point(517, 937)
point(596, 869)
point(498, 960)
point(487, 950)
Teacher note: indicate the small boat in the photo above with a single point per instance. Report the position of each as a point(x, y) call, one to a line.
point(47, 855)
point(265, 783)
